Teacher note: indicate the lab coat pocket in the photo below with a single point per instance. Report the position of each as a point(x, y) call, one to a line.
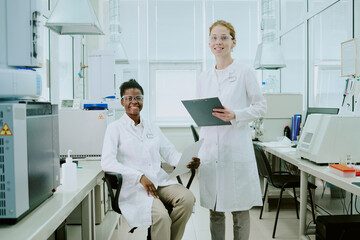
point(231, 79)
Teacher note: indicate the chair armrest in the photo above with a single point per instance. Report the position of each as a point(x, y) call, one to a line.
point(191, 178)
point(114, 181)
point(179, 179)
point(193, 172)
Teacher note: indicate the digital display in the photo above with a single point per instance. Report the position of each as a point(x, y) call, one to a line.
point(67, 103)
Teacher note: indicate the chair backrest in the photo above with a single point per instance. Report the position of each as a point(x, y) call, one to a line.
point(263, 164)
point(194, 132)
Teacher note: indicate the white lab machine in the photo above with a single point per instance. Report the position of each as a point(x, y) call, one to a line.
point(29, 157)
point(280, 108)
point(330, 138)
point(83, 132)
point(23, 25)
point(101, 74)
point(19, 84)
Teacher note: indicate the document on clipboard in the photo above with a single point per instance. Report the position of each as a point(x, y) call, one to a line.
point(201, 111)
point(186, 157)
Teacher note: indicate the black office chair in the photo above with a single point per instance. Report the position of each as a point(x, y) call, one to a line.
point(280, 180)
point(114, 182)
point(196, 138)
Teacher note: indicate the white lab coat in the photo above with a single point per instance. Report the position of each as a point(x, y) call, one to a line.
point(228, 175)
point(127, 153)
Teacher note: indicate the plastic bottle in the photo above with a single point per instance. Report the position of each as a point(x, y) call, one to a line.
point(69, 175)
point(348, 160)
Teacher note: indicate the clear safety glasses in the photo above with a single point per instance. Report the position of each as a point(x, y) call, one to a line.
point(221, 38)
point(137, 98)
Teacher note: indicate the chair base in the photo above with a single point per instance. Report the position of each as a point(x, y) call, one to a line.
point(279, 205)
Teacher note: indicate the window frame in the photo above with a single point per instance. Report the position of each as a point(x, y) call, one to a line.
point(162, 65)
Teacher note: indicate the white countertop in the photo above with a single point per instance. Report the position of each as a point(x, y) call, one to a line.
point(322, 172)
point(45, 219)
point(307, 167)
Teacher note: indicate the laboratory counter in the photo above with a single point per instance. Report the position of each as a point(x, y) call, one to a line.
point(309, 168)
point(45, 219)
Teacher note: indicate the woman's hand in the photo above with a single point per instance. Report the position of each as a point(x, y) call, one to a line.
point(224, 114)
point(194, 164)
point(149, 186)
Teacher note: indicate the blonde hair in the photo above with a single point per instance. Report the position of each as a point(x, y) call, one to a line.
point(225, 24)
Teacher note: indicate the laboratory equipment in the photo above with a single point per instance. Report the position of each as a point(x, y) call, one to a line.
point(83, 132)
point(280, 109)
point(74, 18)
point(342, 170)
point(350, 67)
point(268, 53)
point(17, 84)
point(351, 97)
point(335, 227)
point(24, 41)
point(101, 81)
point(29, 157)
point(330, 138)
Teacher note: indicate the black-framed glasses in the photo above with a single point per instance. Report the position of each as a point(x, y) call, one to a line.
point(137, 98)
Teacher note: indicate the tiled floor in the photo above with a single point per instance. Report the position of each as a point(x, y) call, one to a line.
point(198, 226)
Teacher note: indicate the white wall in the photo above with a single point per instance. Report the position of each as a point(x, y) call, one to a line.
point(180, 137)
point(174, 31)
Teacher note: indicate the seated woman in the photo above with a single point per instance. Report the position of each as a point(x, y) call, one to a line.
point(134, 147)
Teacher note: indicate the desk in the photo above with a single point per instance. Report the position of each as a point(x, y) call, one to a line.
point(306, 167)
point(45, 219)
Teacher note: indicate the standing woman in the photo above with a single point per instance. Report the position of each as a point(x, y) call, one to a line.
point(228, 175)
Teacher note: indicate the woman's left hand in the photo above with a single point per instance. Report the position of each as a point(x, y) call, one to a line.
point(224, 114)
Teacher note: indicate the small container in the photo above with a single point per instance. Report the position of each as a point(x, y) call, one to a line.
point(342, 170)
point(287, 132)
point(349, 161)
point(69, 175)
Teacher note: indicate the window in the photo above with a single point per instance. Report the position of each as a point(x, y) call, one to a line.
point(169, 84)
point(292, 12)
point(312, 49)
point(326, 32)
point(294, 49)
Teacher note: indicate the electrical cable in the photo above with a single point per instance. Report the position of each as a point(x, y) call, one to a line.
point(307, 229)
point(355, 205)
point(324, 187)
point(343, 205)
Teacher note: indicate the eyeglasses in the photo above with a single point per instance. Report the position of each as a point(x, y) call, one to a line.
point(221, 39)
point(129, 98)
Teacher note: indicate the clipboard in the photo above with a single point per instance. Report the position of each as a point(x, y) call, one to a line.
point(201, 111)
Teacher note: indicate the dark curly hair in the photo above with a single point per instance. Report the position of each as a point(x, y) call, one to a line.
point(132, 83)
